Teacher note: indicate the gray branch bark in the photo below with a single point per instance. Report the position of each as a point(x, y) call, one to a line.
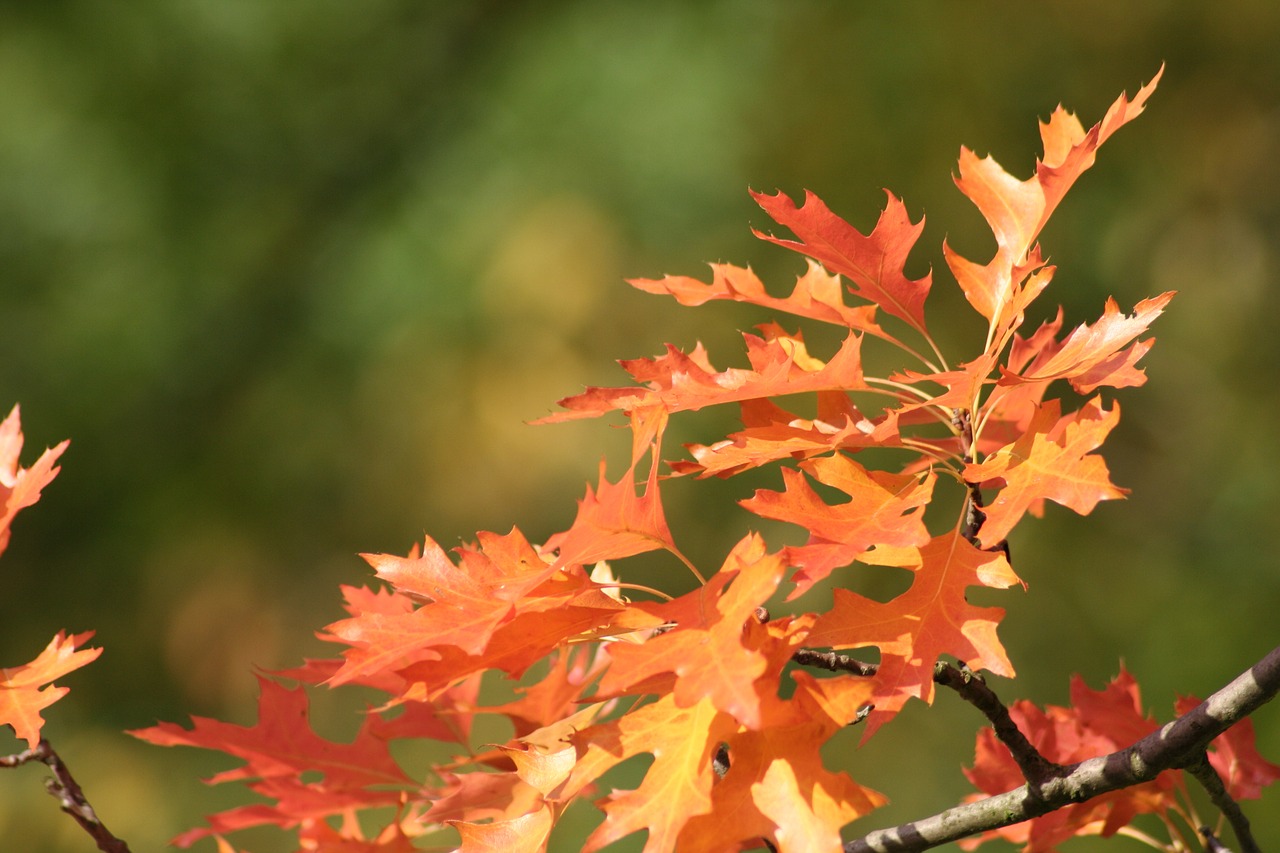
point(1177, 745)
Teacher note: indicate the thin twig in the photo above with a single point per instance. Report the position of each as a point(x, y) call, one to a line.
point(1209, 779)
point(971, 687)
point(64, 788)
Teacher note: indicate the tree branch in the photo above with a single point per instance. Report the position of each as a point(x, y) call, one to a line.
point(63, 787)
point(1176, 745)
point(1209, 779)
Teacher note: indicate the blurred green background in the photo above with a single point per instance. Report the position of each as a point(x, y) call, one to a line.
point(292, 276)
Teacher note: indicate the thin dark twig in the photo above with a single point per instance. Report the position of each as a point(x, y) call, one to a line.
point(1209, 779)
point(64, 788)
point(834, 662)
point(971, 687)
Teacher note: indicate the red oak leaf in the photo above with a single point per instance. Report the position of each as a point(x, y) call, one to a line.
point(679, 381)
point(932, 618)
point(20, 487)
point(817, 294)
point(771, 434)
point(873, 263)
point(717, 648)
point(27, 690)
point(1018, 210)
point(1091, 356)
point(884, 509)
point(676, 787)
point(1051, 460)
point(777, 788)
point(614, 522)
point(526, 834)
point(278, 750)
point(1097, 723)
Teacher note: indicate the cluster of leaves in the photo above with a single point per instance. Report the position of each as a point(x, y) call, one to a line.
point(26, 690)
point(733, 704)
point(706, 682)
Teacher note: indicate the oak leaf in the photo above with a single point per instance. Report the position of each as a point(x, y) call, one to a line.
point(883, 509)
point(278, 750)
point(1098, 722)
point(873, 262)
point(614, 522)
point(1017, 210)
point(679, 381)
point(1052, 460)
point(20, 487)
point(717, 647)
point(932, 618)
point(771, 434)
point(525, 834)
point(676, 787)
point(27, 690)
point(818, 294)
point(777, 788)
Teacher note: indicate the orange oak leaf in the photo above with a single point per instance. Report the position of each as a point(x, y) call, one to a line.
point(676, 786)
point(503, 605)
point(317, 836)
point(1091, 355)
point(718, 649)
point(777, 788)
point(873, 263)
point(614, 522)
point(503, 567)
point(932, 618)
point(555, 695)
point(481, 796)
point(545, 624)
point(27, 690)
point(771, 434)
point(678, 381)
point(525, 834)
point(818, 294)
point(1051, 460)
point(20, 487)
point(281, 751)
point(1018, 210)
point(883, 509)
point(1097, 723)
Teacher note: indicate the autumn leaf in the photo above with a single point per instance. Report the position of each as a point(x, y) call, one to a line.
point(20, 487)
point(614, 522)
point(883, 509)
point(777, 788)
point(1017, 210)
point(817, 295)
point(1098, 722)
point(1053, 460)
point(718, 649)
point(27, 690)
point(679, 381)
point(932, 618)
point(873, 263)
point(525, 834)
point(279, 751)
point(1091, 355)
point(676, 786)
point(771, 434)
